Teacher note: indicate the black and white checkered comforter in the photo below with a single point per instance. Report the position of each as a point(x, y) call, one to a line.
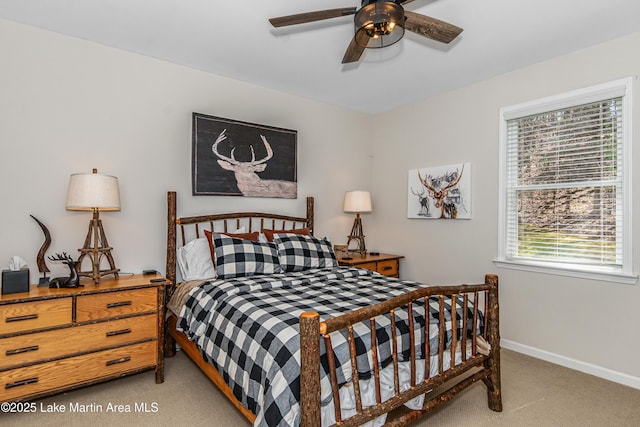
point(247, 328)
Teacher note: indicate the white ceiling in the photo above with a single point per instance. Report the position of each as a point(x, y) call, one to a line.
point(233, 38)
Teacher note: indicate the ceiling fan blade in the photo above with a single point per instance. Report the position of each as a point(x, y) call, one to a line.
point(355, 49)
point(430, 27)
point(319, 15)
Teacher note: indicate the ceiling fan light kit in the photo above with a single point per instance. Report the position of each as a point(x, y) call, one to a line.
point(378, 23)
point(382, 21)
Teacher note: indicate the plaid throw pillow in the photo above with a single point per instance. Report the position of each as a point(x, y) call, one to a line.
point(236, 257)
point(297, 252)
point(247, 236)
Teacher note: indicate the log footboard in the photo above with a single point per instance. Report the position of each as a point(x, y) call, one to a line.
point(479, 366)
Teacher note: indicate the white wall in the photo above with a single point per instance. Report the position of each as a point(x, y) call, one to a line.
point(67, 106)
point(587, 324)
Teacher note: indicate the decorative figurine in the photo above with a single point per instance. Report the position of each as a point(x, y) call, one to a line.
point(42, 265)
point(66, 282)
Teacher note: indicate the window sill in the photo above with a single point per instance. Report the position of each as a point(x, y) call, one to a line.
point(569, 270)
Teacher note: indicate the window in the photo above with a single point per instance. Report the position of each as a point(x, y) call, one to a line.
point(565, 199)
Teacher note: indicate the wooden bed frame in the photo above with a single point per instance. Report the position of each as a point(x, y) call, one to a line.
point(479, 366)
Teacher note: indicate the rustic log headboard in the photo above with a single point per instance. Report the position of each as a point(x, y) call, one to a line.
point(192, 227)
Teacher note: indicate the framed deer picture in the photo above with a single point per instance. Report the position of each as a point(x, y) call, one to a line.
point(442, 192)
point(235, 158)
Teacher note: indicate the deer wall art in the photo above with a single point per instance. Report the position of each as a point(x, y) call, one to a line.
point(246, 173)
point(243, 159)
point(444, 192)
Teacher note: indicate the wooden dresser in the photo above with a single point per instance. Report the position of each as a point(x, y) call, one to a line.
point(52, 340)
point(386, 264)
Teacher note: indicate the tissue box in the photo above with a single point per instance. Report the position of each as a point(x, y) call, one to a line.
point(14, 282)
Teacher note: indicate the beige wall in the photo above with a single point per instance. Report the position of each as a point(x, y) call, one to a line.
point(590, 325)
point(67, 106)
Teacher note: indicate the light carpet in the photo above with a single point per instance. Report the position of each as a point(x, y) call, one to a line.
point(535, 393)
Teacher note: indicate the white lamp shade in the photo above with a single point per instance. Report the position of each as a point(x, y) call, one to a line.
point(88, 191)
point(357, 201)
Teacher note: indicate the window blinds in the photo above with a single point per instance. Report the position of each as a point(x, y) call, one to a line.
point(564, 184)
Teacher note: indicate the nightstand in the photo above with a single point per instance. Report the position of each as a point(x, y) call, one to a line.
point(386, 264)
point(54, 340)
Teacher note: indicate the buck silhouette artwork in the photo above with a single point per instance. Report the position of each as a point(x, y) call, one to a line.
point(249, 183)
point(243, 159)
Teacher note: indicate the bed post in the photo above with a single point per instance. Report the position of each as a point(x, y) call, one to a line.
point(171, 238)
point(310, 207)
point(170, 344)
point(493, 383)
point(310, 369)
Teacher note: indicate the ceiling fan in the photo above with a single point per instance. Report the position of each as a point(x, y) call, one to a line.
point(378, 23)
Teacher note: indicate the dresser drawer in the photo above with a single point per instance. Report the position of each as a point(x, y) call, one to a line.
point(368, 265)
point(113, 304)
point(62, 342)
point(26, 316)
point(388, 268)
point(21, 382)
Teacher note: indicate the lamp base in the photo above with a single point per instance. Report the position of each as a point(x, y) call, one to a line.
point(95, 247)
point(357, 235)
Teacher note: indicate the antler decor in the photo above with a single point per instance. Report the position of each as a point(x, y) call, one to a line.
point(66, 282)
point(42, 264)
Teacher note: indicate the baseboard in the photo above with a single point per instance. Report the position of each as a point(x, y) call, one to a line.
point(578, 365)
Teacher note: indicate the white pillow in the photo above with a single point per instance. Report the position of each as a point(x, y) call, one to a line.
point(194, 259)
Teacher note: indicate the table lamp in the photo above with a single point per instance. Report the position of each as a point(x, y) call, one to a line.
point(94, 192)
point(357, 202)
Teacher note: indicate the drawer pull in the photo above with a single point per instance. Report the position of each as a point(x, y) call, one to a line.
point(120, 332)
point(116, 361)
point(21, 382)
point(387, 267)
point(19, 318)
point(21, 350)
point(118, 304)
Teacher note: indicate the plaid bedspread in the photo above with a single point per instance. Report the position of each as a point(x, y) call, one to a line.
point(247, 328)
